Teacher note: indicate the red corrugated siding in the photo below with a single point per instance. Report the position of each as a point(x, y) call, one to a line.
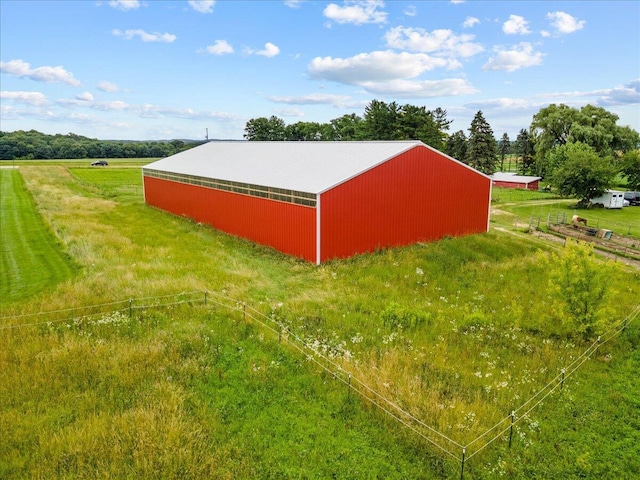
point(286, 227)
point(419, 195)
point(526, 186)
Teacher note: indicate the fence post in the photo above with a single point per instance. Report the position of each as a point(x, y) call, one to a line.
point(562, 380)
point(511, 428)
point(464, 451)
point(244, 311)
point(130, 307)
point(205, 297)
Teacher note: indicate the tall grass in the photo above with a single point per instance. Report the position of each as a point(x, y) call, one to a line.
point(457, 332)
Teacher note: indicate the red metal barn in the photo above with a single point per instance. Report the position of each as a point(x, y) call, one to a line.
point(511, 180)
point(323, 200)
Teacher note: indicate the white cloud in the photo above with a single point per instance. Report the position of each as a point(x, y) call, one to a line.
point(105, 86)
point(202, 6)
point(375, 66)
point(85, 97)
point(294, 3)
point(20, 68)
point(420, 89)
point(456, 2)
point(142, 110)
point(36, 99)
point(269, 50)
point(124, 4)
point(116, 105)
point(440, 42)
point(390, 73)
point(220, 47)
point(506, 105)
point(516, 25)
point(357, 12)
point(290, 112)
point(144, 36)
point(339, 101)
point(410, 11)
point(627, 94)
point(565, 23)
point(519, 56)
point(470, 22)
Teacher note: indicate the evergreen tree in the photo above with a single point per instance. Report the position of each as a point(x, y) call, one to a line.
point(504, 149)
point(524, 148)
point(381, 121)
point(482, 146)
point(457, 146)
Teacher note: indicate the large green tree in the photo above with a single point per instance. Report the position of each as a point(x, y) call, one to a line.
point(348, 127)
point(580, 172)
point(265, 129)
point(557, 125)
point(631, 169)
point(481, 146)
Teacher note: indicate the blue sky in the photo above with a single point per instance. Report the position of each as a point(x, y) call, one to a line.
point(146, 70)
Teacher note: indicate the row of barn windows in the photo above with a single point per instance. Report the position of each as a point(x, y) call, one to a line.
point(281, 194)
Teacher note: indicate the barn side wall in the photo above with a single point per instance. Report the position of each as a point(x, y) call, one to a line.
point(521, 185)
point(287, 227)
point(419, 195)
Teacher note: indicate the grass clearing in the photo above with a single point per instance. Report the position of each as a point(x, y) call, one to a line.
point(32, 259)
point(458, 332)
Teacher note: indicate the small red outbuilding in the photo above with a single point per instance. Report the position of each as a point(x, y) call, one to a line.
point(511, 180)
point(323, 200)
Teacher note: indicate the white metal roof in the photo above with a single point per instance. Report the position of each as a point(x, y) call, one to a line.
point(311, 167)
point(512, 177)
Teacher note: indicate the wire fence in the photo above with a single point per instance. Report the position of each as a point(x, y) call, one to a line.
point(560, 217)
point(502, 430)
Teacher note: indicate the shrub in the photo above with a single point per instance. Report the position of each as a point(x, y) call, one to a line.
point(396, 316)
point(579, 289)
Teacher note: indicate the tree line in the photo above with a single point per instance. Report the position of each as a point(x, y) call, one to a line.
point(33, 145)
point(578, 151)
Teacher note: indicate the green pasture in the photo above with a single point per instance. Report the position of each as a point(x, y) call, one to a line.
point(32, 258)
point(81, 163)
point(539, 206)
point(108, 182)
point(458, 332)
point(109, 176)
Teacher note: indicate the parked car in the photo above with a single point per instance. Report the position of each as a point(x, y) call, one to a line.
point(99, 163)
point(632, 197)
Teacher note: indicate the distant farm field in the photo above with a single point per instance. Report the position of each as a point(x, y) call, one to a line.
point(459, 333)
point(32, 258)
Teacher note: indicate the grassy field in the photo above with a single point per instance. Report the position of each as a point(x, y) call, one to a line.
point(31, 258)
point(458, 332)
point(535, 205)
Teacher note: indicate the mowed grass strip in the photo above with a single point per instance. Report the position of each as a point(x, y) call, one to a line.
point(31, 259)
